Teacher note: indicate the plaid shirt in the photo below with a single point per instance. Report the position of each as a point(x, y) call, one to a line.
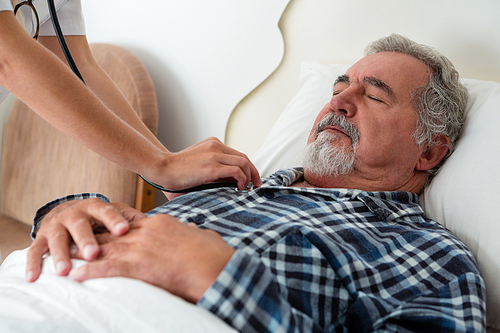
point(333, 260)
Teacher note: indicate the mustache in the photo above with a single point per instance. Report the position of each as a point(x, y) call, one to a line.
point(340, 121)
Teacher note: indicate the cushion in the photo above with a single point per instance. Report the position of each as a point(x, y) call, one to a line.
point(460, 196)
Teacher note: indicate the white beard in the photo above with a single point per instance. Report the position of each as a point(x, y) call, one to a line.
point(323, 158)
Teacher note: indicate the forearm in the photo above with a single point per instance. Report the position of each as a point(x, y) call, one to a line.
point(105, 89)
point(69, 106)
point(99, 82)
point(49, 87)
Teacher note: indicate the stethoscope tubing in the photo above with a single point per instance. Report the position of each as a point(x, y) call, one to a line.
point(194, 188)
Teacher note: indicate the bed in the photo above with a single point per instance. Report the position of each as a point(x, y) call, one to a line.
point(322, 38)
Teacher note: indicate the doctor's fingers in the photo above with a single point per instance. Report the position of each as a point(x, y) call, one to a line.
point(216, 147)
point(231, 166)
point(227, 156)
point(250, 170)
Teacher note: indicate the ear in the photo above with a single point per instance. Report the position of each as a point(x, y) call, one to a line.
point(432, 156)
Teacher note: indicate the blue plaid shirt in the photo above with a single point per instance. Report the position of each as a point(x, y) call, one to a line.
point(332, 260)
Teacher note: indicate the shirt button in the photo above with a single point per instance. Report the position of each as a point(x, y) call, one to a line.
point(198, 219)
point(269, 194)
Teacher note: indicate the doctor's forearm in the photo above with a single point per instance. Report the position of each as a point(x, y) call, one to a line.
point(49, 87)
point(99, 82)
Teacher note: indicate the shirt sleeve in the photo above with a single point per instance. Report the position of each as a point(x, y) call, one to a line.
point(70, 17)
point(247, 296)
point(5, 5)
point(454, 307)
point(44, 210)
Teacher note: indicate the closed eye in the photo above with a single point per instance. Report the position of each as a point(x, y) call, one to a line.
point(376, 99)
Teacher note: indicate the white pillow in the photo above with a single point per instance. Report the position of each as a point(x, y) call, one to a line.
point(461, 196)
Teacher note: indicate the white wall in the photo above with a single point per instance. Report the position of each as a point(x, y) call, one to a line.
point(194, 50)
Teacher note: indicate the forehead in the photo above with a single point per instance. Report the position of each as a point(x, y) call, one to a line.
point(401, 72)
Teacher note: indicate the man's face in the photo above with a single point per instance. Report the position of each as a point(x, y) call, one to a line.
point(375, 96)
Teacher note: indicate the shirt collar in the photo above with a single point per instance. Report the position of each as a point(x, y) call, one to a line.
point(387, 206)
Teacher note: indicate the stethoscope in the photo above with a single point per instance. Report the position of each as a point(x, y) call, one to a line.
point(74, 68)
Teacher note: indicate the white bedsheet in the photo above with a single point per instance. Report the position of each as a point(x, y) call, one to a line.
point(58, 304)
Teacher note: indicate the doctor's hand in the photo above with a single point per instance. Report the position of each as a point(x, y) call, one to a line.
point(208, 161)
point(76, 221)
point(164, 252)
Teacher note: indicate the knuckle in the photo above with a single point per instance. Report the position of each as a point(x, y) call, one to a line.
point(104, 210)
point(91, 201)
point(214, 159)
point(236, 170)
point(214, 139)
point(242, 157)
point(58, 235)
point(70, 210)
point(211, 145)
point(214, 143)
point(80, 222)
point(244, 163)
point(112, 268)
point(106, 267)
point(36, 248)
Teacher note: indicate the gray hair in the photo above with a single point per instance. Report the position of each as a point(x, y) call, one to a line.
point(440, 105)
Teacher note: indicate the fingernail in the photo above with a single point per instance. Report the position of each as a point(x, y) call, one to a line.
point(89, 251)
point(121, 227)
point(73, 250)
point(29, 276)
point(62, 267)
point(75, 275)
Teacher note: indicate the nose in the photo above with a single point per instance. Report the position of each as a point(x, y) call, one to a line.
point(344, 103)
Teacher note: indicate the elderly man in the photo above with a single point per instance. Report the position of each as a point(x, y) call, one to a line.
point(338, 245)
